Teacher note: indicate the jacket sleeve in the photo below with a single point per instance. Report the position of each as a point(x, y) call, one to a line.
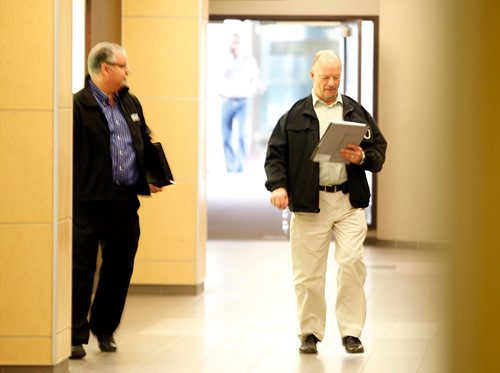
point(374, 151)
point(276, 163)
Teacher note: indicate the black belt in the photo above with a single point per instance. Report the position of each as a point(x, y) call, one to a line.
point(124, 188)
point(333, 188)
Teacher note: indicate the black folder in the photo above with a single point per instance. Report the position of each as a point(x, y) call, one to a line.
point(158, 170)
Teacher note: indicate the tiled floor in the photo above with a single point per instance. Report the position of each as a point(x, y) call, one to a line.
point(245, 319)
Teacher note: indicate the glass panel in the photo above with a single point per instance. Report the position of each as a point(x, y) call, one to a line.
point(286, 50)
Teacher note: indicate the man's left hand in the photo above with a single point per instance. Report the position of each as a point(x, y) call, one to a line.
point(154, 189)
point(353, 153)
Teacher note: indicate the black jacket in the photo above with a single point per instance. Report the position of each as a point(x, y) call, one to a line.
point(288, 161)
point(92, 168)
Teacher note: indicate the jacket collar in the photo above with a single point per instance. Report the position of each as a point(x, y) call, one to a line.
point(348, 104)
point(308, 107)
point(88, 98)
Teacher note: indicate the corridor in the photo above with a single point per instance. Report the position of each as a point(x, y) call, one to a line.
point(245, 319)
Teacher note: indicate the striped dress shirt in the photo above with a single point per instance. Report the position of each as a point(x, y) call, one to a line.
point(123, 155)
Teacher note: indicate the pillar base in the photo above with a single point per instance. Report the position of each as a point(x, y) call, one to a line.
point(167, 289)
point(62, 367)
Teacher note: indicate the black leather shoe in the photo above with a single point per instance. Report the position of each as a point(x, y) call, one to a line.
point(353, 345)
point(106, 343)
point(77, 352)
point(308, 345)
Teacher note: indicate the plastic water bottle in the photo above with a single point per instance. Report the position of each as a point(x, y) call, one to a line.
point(285, 223)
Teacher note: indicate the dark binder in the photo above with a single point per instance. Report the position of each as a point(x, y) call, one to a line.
point(158, 170)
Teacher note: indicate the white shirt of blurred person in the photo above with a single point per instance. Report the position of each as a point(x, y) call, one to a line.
point(239, 82)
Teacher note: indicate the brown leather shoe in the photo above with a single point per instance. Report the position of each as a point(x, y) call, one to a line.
point(77, 352)
point(353, 345)
point(308, 345)
point(106, 343)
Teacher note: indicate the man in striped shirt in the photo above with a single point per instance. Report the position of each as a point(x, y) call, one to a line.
point(111, 142)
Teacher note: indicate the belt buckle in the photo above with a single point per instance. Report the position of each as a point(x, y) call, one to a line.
point(332, 188)
point(328, 188)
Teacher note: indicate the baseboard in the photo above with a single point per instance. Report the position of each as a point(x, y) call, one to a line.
point(62, 367)
point(394, 244)
point(166, 289)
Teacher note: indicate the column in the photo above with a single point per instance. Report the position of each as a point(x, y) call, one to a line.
point(36, 161)
point(165, 42)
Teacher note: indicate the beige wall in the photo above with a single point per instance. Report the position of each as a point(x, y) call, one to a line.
point(35, 159)
point(412, 98)
point(165, 45)
point(475, 177)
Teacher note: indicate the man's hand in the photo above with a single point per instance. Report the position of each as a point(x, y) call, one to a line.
point(154, 189)
point(353, 153)
point(279, 198)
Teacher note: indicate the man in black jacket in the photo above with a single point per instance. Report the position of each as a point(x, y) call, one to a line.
point(326, 198)
point(111, 142)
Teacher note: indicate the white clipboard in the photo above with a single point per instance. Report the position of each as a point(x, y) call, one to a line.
point(337, 136)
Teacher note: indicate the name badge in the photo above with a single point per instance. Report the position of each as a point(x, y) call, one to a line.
point(135, 117)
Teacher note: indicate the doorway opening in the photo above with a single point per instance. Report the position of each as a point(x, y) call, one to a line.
point(278, 56)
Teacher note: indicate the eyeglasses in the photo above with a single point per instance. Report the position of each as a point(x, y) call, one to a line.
point(120, 65)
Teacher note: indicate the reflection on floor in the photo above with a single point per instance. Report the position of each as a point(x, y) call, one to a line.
point(245, 319)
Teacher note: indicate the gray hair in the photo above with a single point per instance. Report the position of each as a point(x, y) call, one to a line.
point(322, 54)
point(102, 52)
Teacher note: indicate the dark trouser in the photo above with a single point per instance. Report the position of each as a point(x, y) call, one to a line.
point(115, 225)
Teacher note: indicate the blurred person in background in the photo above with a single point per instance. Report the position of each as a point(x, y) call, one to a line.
point(239, 82)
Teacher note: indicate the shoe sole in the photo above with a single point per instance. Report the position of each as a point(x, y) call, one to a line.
point(77, 357)
point(308, 352)
point(359, 351)
point(302, 351)
point(108, 348)
point(77, 354)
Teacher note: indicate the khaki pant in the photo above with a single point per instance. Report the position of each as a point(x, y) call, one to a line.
point(310, 236)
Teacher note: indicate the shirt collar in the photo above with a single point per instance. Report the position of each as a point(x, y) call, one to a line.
point(98, 94)
point(316, 99)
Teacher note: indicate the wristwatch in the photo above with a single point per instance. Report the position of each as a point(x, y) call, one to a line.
point(362, 157)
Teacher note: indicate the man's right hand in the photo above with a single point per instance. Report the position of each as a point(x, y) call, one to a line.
point(279, 198)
